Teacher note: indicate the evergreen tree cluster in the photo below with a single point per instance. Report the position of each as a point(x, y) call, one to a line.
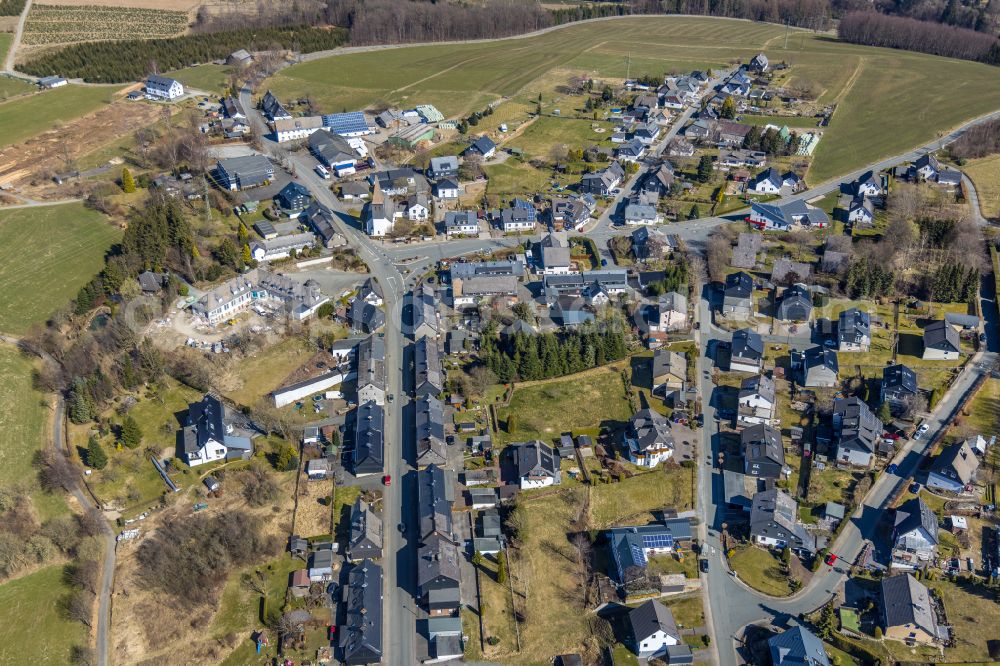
point(951, 283)
point(769, 141)
point(675, 275)
point(11, 7)
point(869, 279)
point(157, 237)
point(132, 368)
point(128, 60)
point(528, 357)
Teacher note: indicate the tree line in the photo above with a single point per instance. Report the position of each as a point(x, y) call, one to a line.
point(132, 59)
point(977, 141)
point(874, 29)
point(525, 357)
point(11, 7)
point(972, 14)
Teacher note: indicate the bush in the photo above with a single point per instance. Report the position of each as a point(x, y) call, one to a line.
point(259, 488)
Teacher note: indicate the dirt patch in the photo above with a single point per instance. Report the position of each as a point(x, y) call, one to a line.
point(28, 167)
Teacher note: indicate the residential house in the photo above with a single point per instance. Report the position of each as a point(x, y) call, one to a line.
point(737, 300)
point(152, 283)
point(914, 535)
point(647, 133)
point(293, 199)
point(300, 299)
point(669, 371)
point(856, 431)
point(554, 249)
point(370, 291)
point(747, 351)
point(368, 455)
point(854, 331)
point(209, 434)
point(429, 424)
point(239, 58)
point(859, 211)
point(671, 313)
point(380, 213)
point(899, 388)
point(907, 613)
point(631, 547)
point(601, 183)
point(867, 185)
point(758, 63)
point(786, 271)
point(650, 244)
point(294, 129)
point(321, 565)
point(729, 133)
point(443, 167)
point(321, 219)
point(950, 179)
point(756, 401)
point(774, 217)
point(272, 108)
point(483, 146)
point(438, 570)
point(446, 188)
point(774, 522)
point(769, 181)
point(461, 223)
point(763, 453)
point(163, 87)
point(632, 151)
point(243, 173)
point(653, 629)
point(281, 247)
point(797, 647)
point(425, 316)
point(318, 469)
point(429, 375)
point(954, 469)
point(926, 167)
point(233, 108)
point(416, 207)
point(360, 637)
point(680, 148)
point(941, 342)
point(649, 439)
point(334, 152)
point(520, 216)
point(659, 180)
point(795, 304)
point(817, 366)
point(365, 317)
point(371, 370)
point(533, 464)
point(399, 182)
point(641, 214)
point(365, 541)
point(435, 498)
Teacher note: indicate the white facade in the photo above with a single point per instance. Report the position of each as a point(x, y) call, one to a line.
point(417, 212)
point(379, 226)
point(650, 458)
point(284, 397)
point(212, 451)
point(529, 482)
point(160, 87)
point(447, 192)
point(463, 229)
point(743, 365)
point(513, 226)
point(764, 187)
point(656, 644)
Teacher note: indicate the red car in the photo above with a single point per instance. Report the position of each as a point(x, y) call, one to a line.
point(387, 480)
point(830, 559)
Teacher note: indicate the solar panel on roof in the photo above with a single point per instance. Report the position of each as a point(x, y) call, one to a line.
point(346, 123)
point(638, 555)
point(657, 541)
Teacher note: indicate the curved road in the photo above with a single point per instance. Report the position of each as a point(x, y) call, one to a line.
point(8, 62)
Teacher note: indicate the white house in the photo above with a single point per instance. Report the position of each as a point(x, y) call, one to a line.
point(649, 439)
point(766, 182)
point(380, 213)
point(653, 629)
point(281, 247)
point(535, 463)
point(163, 87)
point(446, 189)
point(941, 342)
point(641, 214)
point(416, 209)
point(293, 129)
point(208, 437)
point(461, 223)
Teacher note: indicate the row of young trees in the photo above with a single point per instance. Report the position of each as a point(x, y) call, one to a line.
point(529, 357)
point(897, 32)
point(129, 60)
point(952, 283)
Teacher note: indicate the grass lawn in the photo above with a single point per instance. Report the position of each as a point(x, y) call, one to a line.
point(984, 411)
point(24, 414)
point(28, 116)
point(210, 78)
point(542, 411)
point(876, 90)
point(9, 86)
point(498, 618)
point(30, 611)
point(985, 175)
point(549, 131)
point(260, 374)
point(623, 656)
point(761, 570)
point(633, 500)
point(46, 254)
point(516, 177)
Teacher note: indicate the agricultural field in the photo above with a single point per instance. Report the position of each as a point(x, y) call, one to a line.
point(25, 414)
point(210, 78)
point(542, 135)
point(11, 87)
point(53, 24)
point(34, 631)
point(874, 89)
point(46, 254)
point(27, 116)
point(985, 175)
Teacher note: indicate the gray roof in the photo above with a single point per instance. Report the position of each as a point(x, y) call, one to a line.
point(361, 635)
point(369, 445)
point(797, 647)
point(855, 426)
point(666, 362)
point(739, 285)
point(331, 148)
point(906, 601)
point(795, 304)
point(435, 497)
point(650, 618)
point(964, 320)
point(429, 377)
point(899, 379)
point(913, 514)
point(627, 544)
point(371, 362)
point(534, 459)
point(649, 429)
point(940, 335)
point(957, 462)
point(819, 358)
point(437, 564)
point(762, 443)
point(429, 422)
point(758, 385)
point(747, 344)
point(774, 514)
point(854, 326)
point(783, 267)
point(366, 532)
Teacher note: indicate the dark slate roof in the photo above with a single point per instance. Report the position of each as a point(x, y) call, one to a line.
point(627, 543)
point(435, 497)
point(797, 647)
point(795, 304)
point(774, 513)
point(956, 462)
point(940, 335)
point(437, 564)
point(816, 357)
point(483, 145)
point(855, 426)
point(650, 429)
point(759, 385)
point(747, 344)
point(650, 618)
point(762, 443)
point(361, 636)
point(534, 459)
point(899, 378)
point(739, 285)
point(854, 326)
point(906, 601)
point(204, 423)
point(915, 513)
point(429, 422)
point(369, 445)
point(366, 532)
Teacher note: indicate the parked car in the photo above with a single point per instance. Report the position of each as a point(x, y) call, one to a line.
point(831, 558)
point(703, 565)
point(892, 469)
point(387, 480)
